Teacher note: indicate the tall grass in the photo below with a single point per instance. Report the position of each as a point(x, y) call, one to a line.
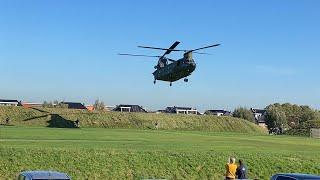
point(58, 117)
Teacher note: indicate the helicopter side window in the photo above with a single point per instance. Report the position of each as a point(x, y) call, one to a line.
point(165, 61)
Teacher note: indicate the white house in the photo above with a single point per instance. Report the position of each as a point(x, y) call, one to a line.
point(181, 110)
point(217, 112)
point(260, 116)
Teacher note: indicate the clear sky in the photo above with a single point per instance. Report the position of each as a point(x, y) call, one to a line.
point(67, 50)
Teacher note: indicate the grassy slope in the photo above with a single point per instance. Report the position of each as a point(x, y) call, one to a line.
point(54, 117)
point(99, 153)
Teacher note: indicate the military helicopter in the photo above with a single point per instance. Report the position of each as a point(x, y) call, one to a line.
point(176, 69)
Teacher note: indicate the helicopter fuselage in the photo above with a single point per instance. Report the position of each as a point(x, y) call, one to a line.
point(175, 70)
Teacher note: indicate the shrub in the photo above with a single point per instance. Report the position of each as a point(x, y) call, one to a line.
point(243, 113)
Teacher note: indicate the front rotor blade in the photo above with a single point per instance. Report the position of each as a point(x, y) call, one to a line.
point(168, 50)
point(171, 48)
point(160, 48)
point(149, 47)
point(140, 55)
point(205, 47)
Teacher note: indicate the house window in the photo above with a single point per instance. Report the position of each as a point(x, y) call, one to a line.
point(125, 109)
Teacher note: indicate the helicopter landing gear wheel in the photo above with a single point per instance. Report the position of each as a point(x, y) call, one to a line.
point(170, 83)
point(154, 82)
point(186, 80)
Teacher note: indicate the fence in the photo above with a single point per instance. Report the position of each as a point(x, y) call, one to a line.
point(315, 133)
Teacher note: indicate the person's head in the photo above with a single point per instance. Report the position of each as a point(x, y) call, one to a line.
point(240, 161)
point(232, 160)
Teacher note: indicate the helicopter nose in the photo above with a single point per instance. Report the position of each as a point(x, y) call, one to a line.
point(192, 66)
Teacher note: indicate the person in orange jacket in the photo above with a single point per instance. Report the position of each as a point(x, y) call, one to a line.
point(231, 169)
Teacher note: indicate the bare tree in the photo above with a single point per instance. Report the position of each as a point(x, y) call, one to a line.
point(98, 105)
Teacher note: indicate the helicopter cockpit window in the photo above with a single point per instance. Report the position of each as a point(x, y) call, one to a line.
point(163, 62)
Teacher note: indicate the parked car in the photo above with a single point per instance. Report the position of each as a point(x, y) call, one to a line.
point(30, 175)
point(294, 176)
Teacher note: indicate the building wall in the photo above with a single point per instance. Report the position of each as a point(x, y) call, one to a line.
point(90, 108)
point(182, 111)
point(31, 105)
point(8, 104)
point(218, 114)
point(125, 109)
point(262, 125)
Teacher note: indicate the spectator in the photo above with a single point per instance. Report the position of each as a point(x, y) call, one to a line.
point(77, 123)
point(241, 170)
point(7, 121)
point(280, 130)
point(231, 168)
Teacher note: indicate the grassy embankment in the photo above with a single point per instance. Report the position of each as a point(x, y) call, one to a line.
point(55, 117)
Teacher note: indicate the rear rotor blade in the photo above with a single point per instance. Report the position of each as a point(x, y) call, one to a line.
point(202, 53)
point(139, 55)
point(204, 47)
point(192, 50)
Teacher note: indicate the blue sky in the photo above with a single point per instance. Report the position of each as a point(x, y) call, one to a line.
point(67, 50)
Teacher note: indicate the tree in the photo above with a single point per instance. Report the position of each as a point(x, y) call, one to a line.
point(317, 115)
point(307, 114)
point(47, 104)
point(244, 113)
point(276, 117)
point(295, 115)
point(98, 105)
point(44, 104)
point(55, 102)
point(296, 119)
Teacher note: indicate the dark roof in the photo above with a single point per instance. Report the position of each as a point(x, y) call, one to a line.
point(299, 176)
point(133, 108)
point(74, 105)
point(175, 108)
point(217, 111)
point(262, 111)
point(9, 100)
point(183, 108)
point(214, 111)
point(161, 110)
point(45, 175)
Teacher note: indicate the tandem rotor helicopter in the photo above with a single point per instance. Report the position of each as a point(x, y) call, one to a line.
point(177, 69)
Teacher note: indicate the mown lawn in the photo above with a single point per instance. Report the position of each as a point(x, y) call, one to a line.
point(99, 153)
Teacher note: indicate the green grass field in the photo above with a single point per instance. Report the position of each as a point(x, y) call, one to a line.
point(104, 153)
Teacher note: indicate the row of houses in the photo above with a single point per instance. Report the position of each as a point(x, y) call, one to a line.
point(11, 102)
point(121, 107)
point(259, 114)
